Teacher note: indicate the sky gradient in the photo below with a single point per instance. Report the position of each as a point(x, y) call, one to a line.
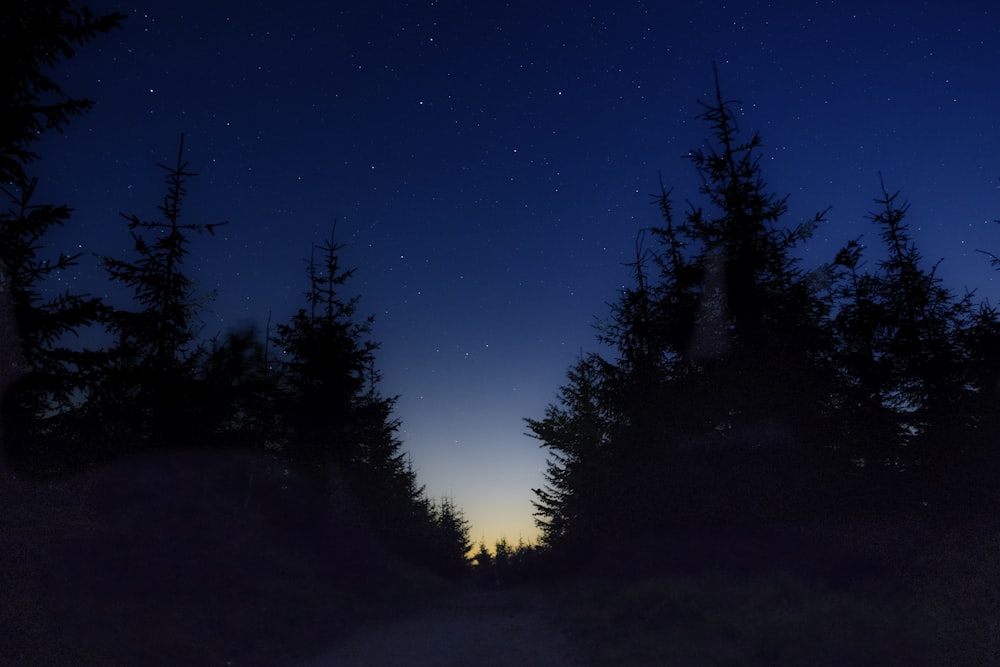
point(490, 166)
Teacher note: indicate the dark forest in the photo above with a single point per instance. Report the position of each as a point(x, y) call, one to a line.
point(755, 415)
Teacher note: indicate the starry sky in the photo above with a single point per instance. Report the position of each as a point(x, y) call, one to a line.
point(490, 166)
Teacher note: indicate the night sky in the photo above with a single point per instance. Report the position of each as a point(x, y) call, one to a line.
point(490, 165)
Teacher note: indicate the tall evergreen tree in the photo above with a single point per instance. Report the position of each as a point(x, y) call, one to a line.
point(34, 38)
point(334, 419)
point(910, 356)
point(148, 380)
point(327, 354)
point(725, 350)
point(754, 295)
point(451, 538)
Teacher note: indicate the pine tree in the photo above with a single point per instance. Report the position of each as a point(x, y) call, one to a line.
point(326, 356)
point(754, 296)
point(335, 421)
point(721, 362)
point(910, 366)
point(148, 382)
point(52, 372)
point(238, 391)
point(34, 38)
point(576, 431)
point(452, 537)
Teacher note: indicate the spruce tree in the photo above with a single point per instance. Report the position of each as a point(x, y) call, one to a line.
point(913, 369)
point(721, 373)
point(754, 295)
point(34, 38)
point(325, 357)
point(576, 432)
point(237, 392)
point(148, 388)
point(333, 418)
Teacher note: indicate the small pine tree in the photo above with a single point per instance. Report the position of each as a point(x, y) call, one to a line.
point(452, 538)
point(577, 434)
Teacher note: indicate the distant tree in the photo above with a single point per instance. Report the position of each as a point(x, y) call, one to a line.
point(502, 552)
point(452, 538)
point(482, 558)
point(238, 387)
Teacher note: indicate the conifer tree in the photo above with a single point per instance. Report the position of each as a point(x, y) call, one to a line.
point(576, 431)
point(759, 301)
point(34, 38)
point(333, 418)
point(910, 356)
point(238, 391)
point(452, 538)
point(726, 344)
point(148, 381)
point(326, 355)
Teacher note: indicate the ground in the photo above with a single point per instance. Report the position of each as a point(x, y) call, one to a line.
point(495, 628)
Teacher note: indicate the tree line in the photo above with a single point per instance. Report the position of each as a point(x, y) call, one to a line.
point(306, 393)
point(744, 387)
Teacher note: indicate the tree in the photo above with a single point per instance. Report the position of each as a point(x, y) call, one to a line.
point(328, 373)
point(148, 377)
point(754, 296)
point(452, 538)
point(912, 371)
point(576, 431)
point(721, 365)
point(238, 387)
point(34, 38)
point(335, 422)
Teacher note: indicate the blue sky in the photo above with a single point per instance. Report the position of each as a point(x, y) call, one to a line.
point(490, 166)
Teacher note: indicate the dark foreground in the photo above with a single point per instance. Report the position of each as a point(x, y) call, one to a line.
point(169, 563)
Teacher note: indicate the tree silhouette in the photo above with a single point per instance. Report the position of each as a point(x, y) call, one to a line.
point(236, 403)
point(576, 432)
point(721, 365)
point(34, 38)
point(335, 423)
point(148, 378)
point(745, 388)
point(326, 361)
point(758, 308)
point(912, 375)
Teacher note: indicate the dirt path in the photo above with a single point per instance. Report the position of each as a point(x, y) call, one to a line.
point(499, 629)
